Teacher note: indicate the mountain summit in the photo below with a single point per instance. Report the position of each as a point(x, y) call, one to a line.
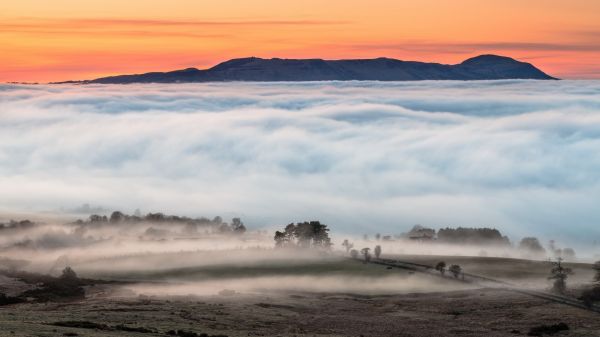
point(254, 69)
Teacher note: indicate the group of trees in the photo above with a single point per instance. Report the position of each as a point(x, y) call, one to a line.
point(12, 224)
point(528, 246)
point(531, 246)
point(568, 254)
point(462, 235)
point(67, 286)
point(191, 224)
point(365, 252)
point(455, 269)
point(306, 234)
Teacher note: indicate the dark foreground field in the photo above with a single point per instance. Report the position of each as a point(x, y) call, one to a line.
point(403, 305)
point(483, 312)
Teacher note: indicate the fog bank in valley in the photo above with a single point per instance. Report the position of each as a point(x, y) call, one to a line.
point(517, 155)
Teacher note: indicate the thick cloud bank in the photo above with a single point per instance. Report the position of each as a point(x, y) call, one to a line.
point(520, 155)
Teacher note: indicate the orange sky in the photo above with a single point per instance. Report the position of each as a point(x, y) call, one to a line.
point(43, 40)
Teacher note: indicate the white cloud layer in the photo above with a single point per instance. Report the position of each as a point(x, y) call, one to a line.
point(523, 156)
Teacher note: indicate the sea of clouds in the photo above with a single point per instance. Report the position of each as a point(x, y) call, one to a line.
point(523, 156)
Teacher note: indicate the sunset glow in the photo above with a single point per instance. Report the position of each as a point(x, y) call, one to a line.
point(70, 40)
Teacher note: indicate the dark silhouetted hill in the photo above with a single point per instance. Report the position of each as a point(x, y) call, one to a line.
point(253, 69)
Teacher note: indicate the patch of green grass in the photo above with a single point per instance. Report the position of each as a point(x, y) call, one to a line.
point(328, 267)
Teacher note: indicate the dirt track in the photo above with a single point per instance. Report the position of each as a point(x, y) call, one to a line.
point(472, 278)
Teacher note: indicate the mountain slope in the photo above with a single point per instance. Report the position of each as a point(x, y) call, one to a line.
point(483, 67)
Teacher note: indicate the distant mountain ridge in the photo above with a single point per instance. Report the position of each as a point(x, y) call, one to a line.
point(253, 69)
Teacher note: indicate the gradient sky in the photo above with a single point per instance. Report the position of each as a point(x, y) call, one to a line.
point(43, 40)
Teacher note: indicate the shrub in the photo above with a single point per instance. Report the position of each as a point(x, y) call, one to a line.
point(548, 329)
point(456, 270)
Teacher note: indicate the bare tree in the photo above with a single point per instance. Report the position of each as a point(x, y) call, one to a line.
point(441, 267)
point(559, 274)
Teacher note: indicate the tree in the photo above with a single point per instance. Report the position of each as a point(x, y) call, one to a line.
point(592, 294)
point(354, 253)
point(559, 274)
point(238, 226)
point(279, 239)
point(377, 251)
point(456, 270)
point(441, 267)
point(290, 234)
point(69, 275)
point(346, 244)
point(366, 254)
point(320, 235)
point(377, 236)
point(532, 245)
point(117, 216)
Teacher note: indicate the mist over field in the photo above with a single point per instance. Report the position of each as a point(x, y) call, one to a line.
point(521, 156)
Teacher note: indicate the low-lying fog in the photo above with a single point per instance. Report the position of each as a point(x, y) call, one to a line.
point(166, 255)
point(393, 284)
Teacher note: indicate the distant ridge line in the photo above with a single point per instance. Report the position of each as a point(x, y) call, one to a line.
point(254, 69)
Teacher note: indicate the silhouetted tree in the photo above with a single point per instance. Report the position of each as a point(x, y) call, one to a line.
point(377, 236)
point(441, 267)
point(290, 233)
point(69, 275)
point(279, 239)
point(117, 216)
point(366, 254)
point(354, 253)
point(377, 251)
point(238, 226)
point(559, 274)
point(155, 217)
point(456, 270)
